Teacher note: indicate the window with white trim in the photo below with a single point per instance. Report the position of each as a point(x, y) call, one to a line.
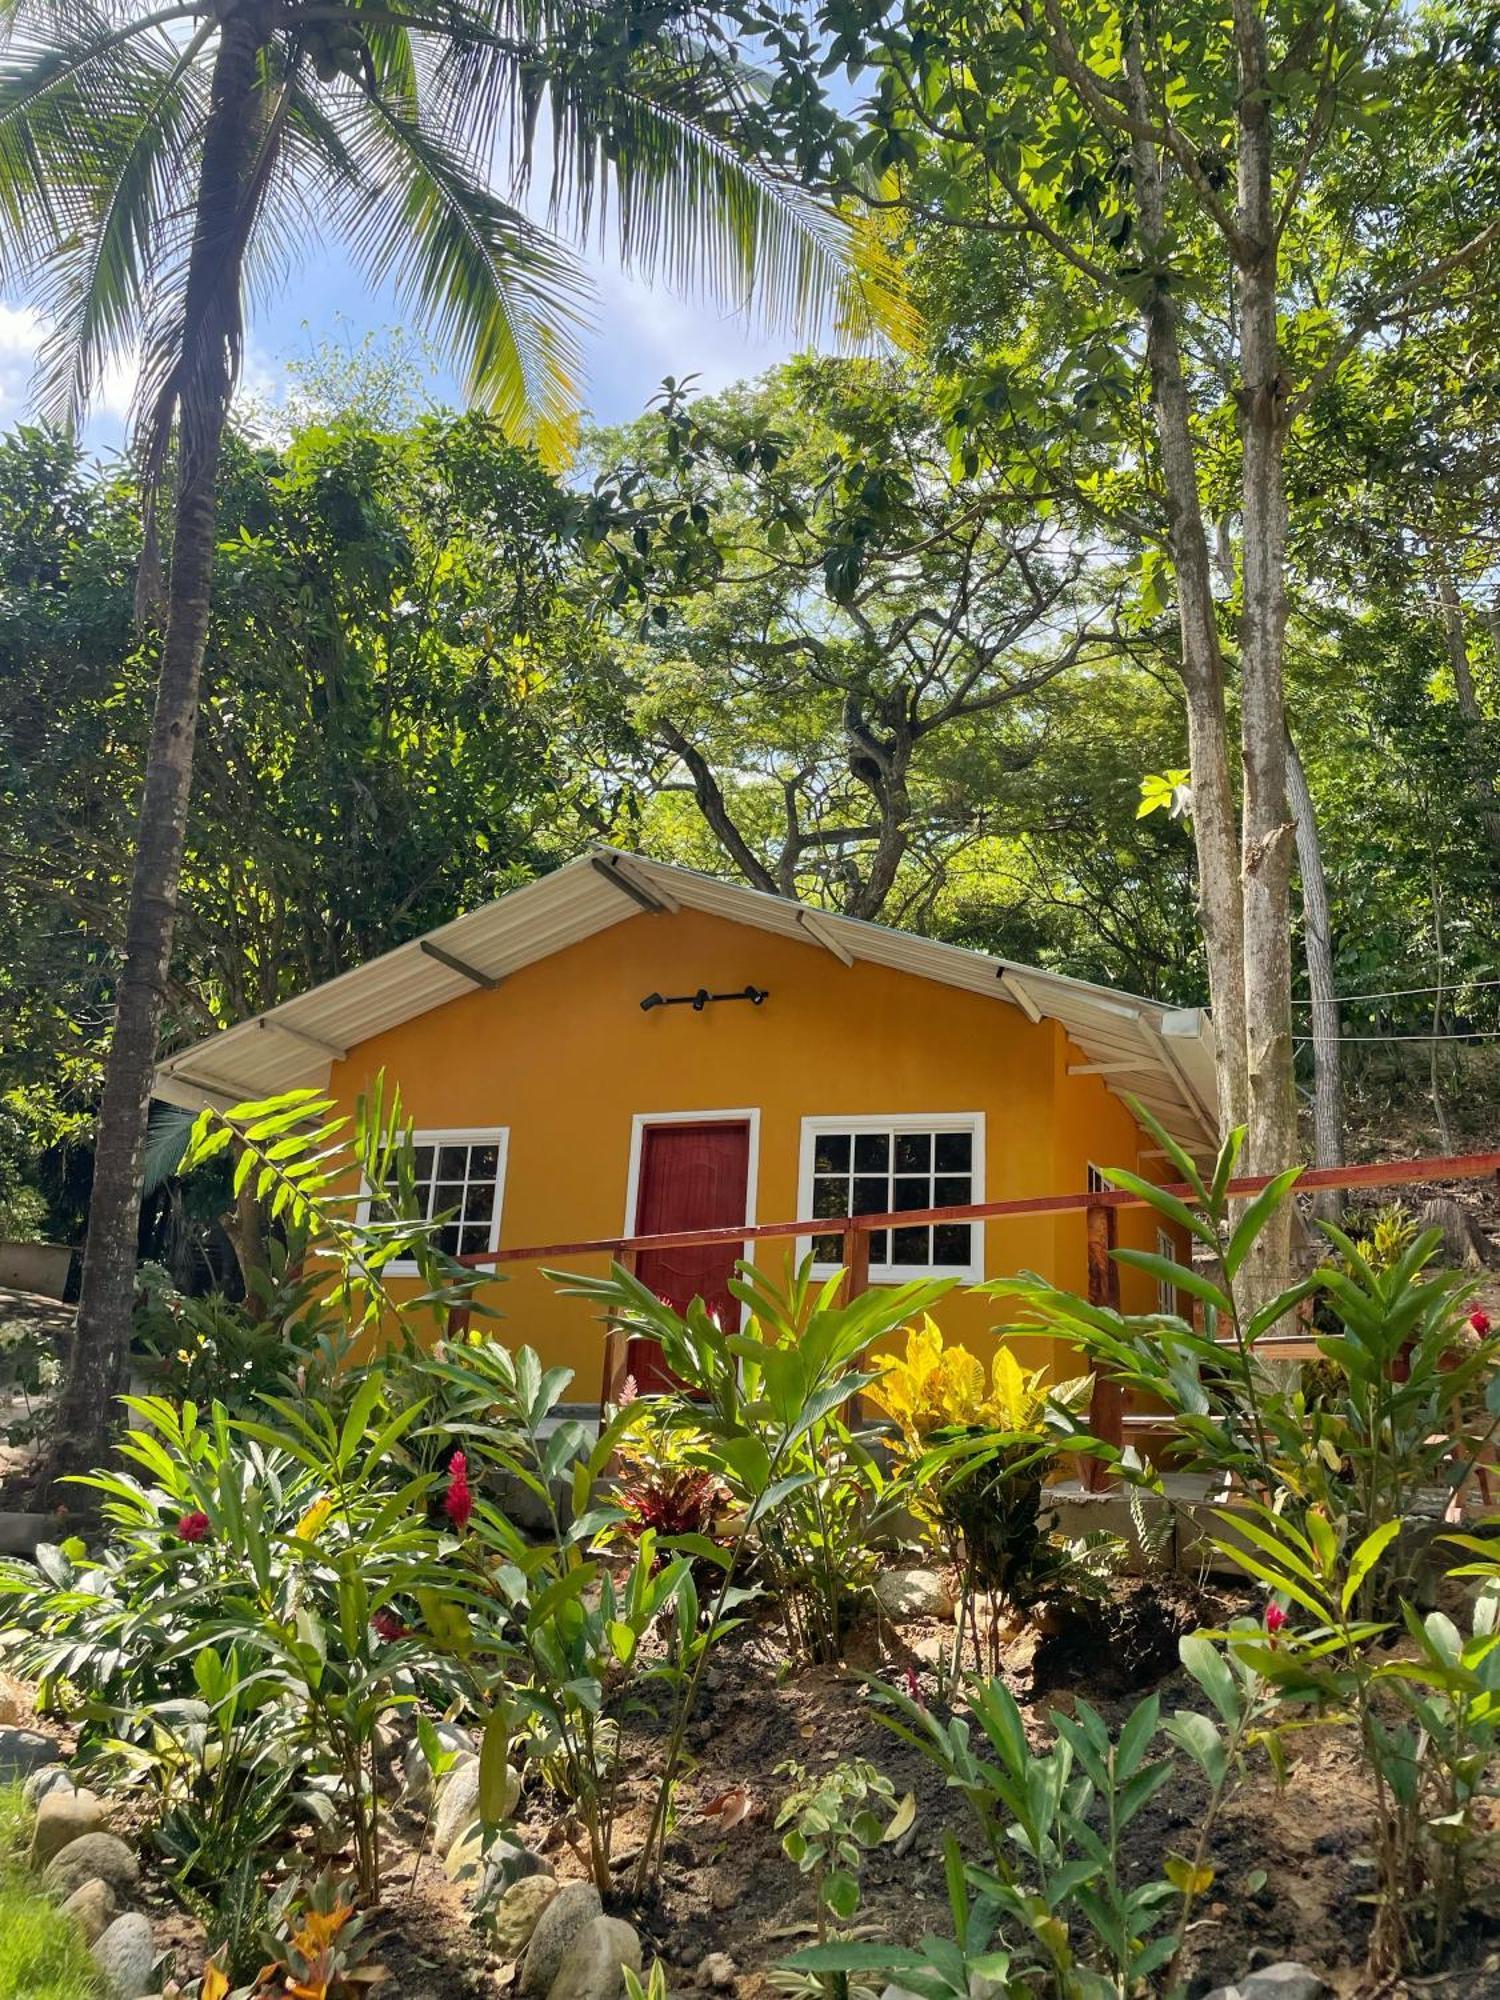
point(460, 1179)
point(1166, 1292)
point(1094, 1182)
point(875, 1166)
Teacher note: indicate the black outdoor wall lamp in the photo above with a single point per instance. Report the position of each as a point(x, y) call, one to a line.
point(699, 1000)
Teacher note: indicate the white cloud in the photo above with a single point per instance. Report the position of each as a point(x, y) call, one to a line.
point(22, 330)
point(645, 333)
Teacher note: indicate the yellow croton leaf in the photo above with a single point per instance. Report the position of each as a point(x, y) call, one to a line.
point(308, 1527)
point(215, 1982)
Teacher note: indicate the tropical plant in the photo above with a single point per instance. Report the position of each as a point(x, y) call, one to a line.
point(827, 1824)
point(1080, 1923)
point(663, 1484)
point(284, 1335)
point(1411, 1402)
point(550, 1636)
point(1427, 1720)
point(316, 1944)
point(766, 1402)
point(294, 1545)
point(153, 161)
point(978, 1454)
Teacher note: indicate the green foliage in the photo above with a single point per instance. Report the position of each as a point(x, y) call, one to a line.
point(557, 1636)
point(1426, 1717)
point(828, 1822)
point(1079, 1923)
point(766, 1405)
point(1408, 1401)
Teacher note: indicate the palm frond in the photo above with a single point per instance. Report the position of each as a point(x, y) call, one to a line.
point(491, 284)
point(94, 288)
point(644, 136)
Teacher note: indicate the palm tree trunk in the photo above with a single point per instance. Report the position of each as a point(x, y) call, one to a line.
point(205, 380)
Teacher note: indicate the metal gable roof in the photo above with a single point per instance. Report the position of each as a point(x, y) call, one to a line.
point(1161, 1055)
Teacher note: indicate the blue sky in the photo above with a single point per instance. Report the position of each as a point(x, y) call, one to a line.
point(642, 333)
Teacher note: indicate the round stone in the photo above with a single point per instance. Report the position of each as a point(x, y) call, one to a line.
point(96, 1855)
point(126, 1957)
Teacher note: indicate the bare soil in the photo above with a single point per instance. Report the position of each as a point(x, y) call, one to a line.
point(730, 1889)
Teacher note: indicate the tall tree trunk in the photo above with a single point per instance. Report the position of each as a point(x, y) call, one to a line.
point(1267, 832)
point(1317, 943)
point(86, 1406)
point(1215, 831)
point(1456, 639)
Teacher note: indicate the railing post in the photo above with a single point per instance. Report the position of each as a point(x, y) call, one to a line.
point(1107, 1406)
point(616, 1350)
point(856, 1261)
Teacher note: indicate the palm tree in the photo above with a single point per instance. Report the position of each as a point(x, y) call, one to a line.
point(153, 163)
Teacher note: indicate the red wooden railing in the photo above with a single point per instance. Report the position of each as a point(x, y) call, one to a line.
point(1101, 1209)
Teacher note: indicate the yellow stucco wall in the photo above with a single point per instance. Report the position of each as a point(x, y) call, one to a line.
point(562, 1055)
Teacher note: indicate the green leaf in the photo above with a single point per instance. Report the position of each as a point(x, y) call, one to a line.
point(1365, 1557)
point(1256, 1216)
point(494, 1776)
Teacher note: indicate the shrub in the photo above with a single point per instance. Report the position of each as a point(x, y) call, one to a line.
point(1078, 1922)
point(1414, 1397)
point(766, 1403)
point(978, 1453)
point(829, 1823)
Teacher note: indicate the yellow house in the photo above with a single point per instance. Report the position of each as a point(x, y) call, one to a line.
point(626, 1048)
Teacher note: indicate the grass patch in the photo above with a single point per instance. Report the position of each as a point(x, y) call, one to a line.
point(42, 1952)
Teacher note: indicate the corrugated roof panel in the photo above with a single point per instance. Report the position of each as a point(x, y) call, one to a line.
point(576, 901)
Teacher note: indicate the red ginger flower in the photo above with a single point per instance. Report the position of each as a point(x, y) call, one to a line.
point(1479, 1322)
point(458, 1502)
point(1275, 1618)
point(193, 1527)
point(388, 1626)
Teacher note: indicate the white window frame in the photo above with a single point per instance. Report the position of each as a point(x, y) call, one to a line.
point(1094, 1181)
point(497, 1136)
point(1168, 1297)
point(973, 1122)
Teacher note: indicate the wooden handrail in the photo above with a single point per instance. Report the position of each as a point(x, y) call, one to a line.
point(1382, 1173)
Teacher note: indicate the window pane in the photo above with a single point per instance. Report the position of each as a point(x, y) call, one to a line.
point(484, 1163)
point(831, 1153)
point(872, 1197)
point(879, 1247)
point(479, 1202)
point(422, 1156)
point(915, 1191)
point(475, 1240)
point(872, 1153)
point(828, 1249)
point(452, 1162)
point(830, 1197)
point(448, 1239)
point(913, 1152)
point(955, 1152)
point(908, 1246)
point(952, 1243)
point(447, 1196)
point(952, 1190)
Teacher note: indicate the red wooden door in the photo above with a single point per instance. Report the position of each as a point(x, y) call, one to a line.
point(690, 1177)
